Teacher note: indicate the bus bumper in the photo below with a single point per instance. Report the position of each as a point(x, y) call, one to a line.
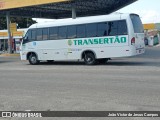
point(23, 55)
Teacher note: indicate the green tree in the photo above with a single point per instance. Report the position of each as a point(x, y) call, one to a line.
point(21, 22)
point(3, 24)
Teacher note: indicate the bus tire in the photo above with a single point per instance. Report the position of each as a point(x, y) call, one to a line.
point(89, 59)
point(33, 60)
point(103, 61)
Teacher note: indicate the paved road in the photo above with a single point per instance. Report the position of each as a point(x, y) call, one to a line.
point(128, 84)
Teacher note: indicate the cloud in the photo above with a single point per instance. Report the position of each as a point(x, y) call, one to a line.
point(149, 16)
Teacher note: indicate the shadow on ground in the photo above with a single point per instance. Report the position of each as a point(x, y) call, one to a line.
point(1, 62)
point(110, 63)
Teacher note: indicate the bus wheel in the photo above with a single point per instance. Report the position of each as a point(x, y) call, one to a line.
point(33, 59)
point(103, 61)
point(89, 59)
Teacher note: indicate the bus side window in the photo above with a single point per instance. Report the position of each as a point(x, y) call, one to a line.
point(62, 32)
point(33, 35)
point(71, 32)
point(53, 33)
point(28, 35)
point(113, 28)
point(45, 33)
point(137, 24)
point(39, 34)
point(91, 30)
point(81, 31)
point(122, 27)
point(102, 29)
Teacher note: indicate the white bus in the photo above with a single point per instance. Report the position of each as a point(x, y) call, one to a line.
point(92, 39)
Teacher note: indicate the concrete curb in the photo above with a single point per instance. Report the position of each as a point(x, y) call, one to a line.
point(153, 45)
point(157, 45)
point(9, 55)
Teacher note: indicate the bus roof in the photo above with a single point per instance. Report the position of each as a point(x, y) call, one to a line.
point(81, 20)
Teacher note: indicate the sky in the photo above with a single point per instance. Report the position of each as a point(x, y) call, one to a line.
point(149, 11)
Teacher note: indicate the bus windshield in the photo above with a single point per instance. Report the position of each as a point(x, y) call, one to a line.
point(137, 24)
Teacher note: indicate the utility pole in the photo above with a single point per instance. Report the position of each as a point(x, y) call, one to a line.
point(9, 32)
point(73, 12)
